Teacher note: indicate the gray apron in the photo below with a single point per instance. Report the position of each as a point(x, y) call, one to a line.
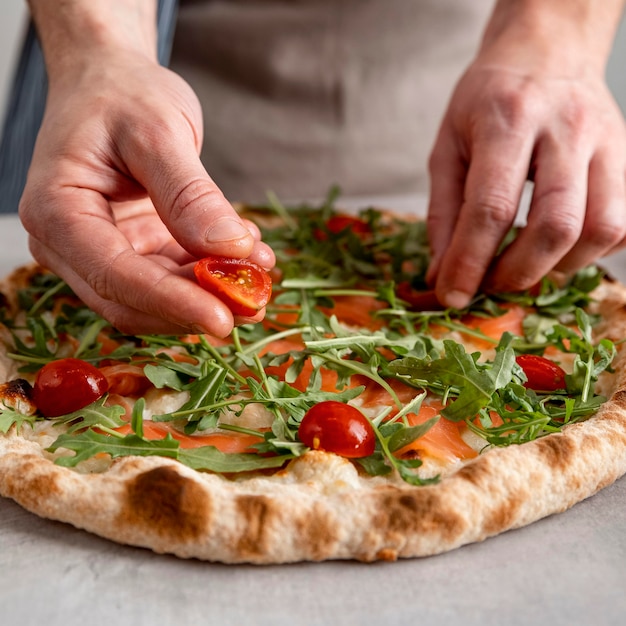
point(300, 94)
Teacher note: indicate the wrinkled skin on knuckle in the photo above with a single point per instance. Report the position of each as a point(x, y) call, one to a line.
point(198, 195)
point(510, 106)
point(574, 117)
point(605, 234)
point(104, 279)
point(558, 231)
point(39, 209)
point(495, 211)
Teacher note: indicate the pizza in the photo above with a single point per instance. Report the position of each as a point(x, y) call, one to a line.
point(358, 420)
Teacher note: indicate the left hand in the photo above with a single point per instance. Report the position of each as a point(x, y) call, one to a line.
point(516, 115)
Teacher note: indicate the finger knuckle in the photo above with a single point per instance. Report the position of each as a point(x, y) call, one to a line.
point(574, 119)
point(511, 108)
point(105, 279)
point(197, 193)
point(559, 231)
point(33, 206)
point(606, 233)
point(562, 232)
point(494, 211)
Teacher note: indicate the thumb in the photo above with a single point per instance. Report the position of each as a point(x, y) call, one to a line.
point(191, 205)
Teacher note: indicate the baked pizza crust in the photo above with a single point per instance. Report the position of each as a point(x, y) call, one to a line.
point(319, 507)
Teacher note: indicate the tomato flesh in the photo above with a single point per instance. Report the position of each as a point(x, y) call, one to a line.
point(542, 374)
point(242, 285)
point(338, 223)
point(67, 385)
point(337, 427)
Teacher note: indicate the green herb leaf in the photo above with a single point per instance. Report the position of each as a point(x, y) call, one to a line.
point(89, 443)
point(406, 435)
point(94, 414)
point(209, 458)
point(11, 417)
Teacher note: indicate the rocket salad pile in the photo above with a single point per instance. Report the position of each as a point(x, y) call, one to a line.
point(350, 316)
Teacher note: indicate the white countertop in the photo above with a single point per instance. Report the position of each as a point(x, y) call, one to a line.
point(566, 569)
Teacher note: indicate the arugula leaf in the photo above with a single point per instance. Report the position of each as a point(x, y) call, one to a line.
point(406, 435)
point(162, 376)
point(203, 394)
point(384, 460)
point(10, 417)
point(94, 414)
point(136, 420)
point(209, 458)
point(89, 443)
point(457, 371)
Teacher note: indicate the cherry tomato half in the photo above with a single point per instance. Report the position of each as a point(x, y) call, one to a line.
point(67, 385)
point(542, 374)
point(338, 223)
point(242, 285)
point(337, 427)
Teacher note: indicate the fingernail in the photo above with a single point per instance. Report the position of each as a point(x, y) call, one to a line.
point(456, 299)
point(226, 229)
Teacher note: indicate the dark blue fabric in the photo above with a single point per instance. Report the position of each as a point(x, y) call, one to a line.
point(26, 104)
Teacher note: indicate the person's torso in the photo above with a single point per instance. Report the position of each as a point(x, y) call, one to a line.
point(301, 94)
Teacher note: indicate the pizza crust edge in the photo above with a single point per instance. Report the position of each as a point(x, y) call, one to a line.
point(319, 508)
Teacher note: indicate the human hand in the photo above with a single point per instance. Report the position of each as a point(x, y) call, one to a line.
point(527, 108)
point(118, 203)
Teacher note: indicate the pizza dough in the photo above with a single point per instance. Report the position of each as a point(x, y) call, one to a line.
point(321, 506)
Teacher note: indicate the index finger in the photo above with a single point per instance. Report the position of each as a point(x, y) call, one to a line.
point(495, 180)
point(132, 291)
point(164, 160)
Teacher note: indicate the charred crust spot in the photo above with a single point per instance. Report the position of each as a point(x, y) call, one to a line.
point(17, 394)
point(165, 502)
point(30, 486)
point(619, 397)
point(317, 533)
point(557, 452)
point(503, 516)
point(474, 473)
point(422, 511)
point(256, 514)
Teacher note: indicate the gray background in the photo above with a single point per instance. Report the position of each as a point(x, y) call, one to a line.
point(13, 12)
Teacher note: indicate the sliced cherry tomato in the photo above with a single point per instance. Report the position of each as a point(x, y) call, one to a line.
point(67, 385)
point(242, 285)
point(418, 300)
point(542, 374)
point(338, 223)
point(337, 427)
